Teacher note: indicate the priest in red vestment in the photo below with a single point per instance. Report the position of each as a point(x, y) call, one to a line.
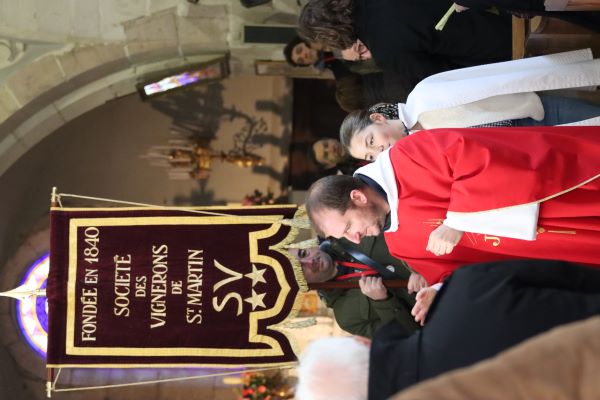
point(452, 197)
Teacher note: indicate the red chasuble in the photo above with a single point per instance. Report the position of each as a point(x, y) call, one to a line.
point(474, 170)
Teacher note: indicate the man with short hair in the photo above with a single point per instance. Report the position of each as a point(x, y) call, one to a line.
point(361, 311)
point(480, 311)
point(453, 197)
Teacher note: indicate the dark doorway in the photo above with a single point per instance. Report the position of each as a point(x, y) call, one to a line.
point(316, 115)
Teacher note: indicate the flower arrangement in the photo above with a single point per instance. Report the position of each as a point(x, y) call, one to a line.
point(258, 386)
point(255, 387)
point(259, 199)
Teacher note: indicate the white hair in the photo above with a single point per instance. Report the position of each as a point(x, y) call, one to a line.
point(333, 369)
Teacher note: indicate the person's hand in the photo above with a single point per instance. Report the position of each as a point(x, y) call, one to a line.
point(357, 52)
point(443, 239)
point(424, 299)
point(350, 54)
point(459, 8)
point(415, 283)
point(373, 288)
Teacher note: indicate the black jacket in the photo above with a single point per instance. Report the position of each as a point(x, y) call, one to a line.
point(481, 310)
point(402, 37)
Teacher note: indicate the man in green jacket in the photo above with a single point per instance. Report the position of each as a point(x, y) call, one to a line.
point(361, 311)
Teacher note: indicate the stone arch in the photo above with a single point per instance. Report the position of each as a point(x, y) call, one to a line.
point(87, 77)
point(44, 94)
point(57, 88)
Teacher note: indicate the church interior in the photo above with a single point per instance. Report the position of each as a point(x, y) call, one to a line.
point(72, 117)
point(76, 114)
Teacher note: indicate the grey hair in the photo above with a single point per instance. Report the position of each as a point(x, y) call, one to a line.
point(334, 368)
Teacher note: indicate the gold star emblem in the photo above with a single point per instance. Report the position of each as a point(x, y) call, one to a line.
point(256, 275)
point(256, 300)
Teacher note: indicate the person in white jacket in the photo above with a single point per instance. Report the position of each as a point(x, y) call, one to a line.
point(501, 94)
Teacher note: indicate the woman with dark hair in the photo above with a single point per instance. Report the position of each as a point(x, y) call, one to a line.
point(332, 158)
point(330, 22)
point(303, 53)
point(366, 133)
point(358, 83)
point(401, 35)
point(299, 53)
point(491, 95)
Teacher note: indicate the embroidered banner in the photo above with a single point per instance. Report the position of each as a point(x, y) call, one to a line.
point(155, 287)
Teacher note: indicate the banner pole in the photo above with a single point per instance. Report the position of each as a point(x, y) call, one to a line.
point(353, 284)
point(53, 197)
point(50, 371)
point(179, 379)
point(50, 378)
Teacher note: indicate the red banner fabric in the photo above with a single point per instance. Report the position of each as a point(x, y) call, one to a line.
point(155, 287)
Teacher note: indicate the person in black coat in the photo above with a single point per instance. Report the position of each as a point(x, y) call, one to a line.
point(359, 83)
point(480, 311)
point(401, 35)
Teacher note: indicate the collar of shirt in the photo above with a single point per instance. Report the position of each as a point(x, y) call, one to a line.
point(379, 190)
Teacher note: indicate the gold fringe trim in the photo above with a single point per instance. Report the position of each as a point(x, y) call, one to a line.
point(305, 244)
point(302, 284)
